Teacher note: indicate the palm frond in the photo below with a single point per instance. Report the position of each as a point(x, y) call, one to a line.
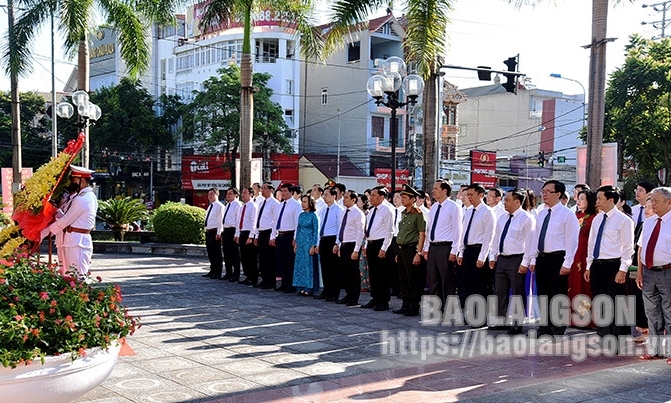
point(116, 212)
point(345, 16)
point(132, 33)
point(220, 12)
point(16, 50)
point(425, 37)
point(75, 19)
point(299, 14)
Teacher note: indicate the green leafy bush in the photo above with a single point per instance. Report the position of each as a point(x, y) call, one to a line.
point(118, 213)
point(179, 223)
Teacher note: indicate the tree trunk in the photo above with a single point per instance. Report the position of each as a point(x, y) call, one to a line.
point(246, 105)
point(15, 110)
point(430, 129)
point(83, 84)
point(597, 91)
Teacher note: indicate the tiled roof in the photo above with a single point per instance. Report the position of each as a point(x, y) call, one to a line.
point(327, 165)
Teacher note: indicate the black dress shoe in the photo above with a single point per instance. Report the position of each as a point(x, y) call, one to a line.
point(226, 277)
point(352, 303)
point(233, 279)
point(381, 307)
point(320, 296)
point(330, 299)
point(370, 305)
point(280, 288)
point(249, 282)
point(267, 286)
point(259, 285)
point(241, 281)
point(215, 276)
point(515, 330)
point(400, 311)
point(290, 290)
point(342, 301)
point(208, 274)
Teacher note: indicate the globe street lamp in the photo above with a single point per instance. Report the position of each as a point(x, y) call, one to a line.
point(87, 111)
point(388, 83)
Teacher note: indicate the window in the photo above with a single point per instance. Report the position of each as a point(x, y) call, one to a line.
point(162, 69)
point(452, 115)
point(290, 85)
point(354, 52)
point(386, 29)
point(267, 51)
point(325, 96)
point(171, 64)
point(289, 117)
point(377, 126)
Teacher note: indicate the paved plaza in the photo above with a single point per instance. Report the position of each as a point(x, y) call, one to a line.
point(206, 340)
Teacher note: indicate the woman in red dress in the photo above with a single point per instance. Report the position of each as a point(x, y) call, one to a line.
point(577, 285)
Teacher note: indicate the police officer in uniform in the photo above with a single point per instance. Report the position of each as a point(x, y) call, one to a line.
point(411, 234)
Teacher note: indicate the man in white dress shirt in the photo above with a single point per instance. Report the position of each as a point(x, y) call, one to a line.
point(609, 250)
point(493, 200)
point(330, 218)
point(76, 224)
point(317, 193)
point(283, 236)
point(265, 225)
point(244, 236)
point(348, 245)
point(444, 228)
point(230, 247)
point(643, 190)
point(553, 249)
point(213, 228)
point(479, 223)
point(654, 273)
point(514, 232)
point(379, 231)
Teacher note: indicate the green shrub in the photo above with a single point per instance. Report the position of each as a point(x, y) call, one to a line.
point(179, 223)
point(118, 213)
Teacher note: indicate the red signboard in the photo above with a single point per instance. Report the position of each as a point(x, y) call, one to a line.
point(483, 168)
point(7, 179)
point(608, 164)
point(384, 177)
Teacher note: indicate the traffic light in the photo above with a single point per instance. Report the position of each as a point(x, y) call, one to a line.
point(541, 159)
point(561, 159)
point(511, 79)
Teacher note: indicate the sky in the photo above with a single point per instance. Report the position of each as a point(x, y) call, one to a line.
point(548, 38)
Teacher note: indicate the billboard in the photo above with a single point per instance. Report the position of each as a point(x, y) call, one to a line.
point(383, 176)
point(201, 172)
point(483, 168)
point(7, 178)
point(608, 164)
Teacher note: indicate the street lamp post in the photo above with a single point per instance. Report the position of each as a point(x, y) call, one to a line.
point(584, 94)
point(87, 111)
point(389, 84)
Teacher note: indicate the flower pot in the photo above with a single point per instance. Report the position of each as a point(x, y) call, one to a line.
point(60, 379)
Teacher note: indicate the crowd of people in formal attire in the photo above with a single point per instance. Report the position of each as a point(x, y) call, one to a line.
point(485, 242)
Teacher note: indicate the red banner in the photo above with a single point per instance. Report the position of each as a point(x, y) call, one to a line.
point(608, 164)
point(384, 177)
point(483, 168)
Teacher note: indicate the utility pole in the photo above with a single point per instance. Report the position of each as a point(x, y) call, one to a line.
point(662, 7)
point(15, 110)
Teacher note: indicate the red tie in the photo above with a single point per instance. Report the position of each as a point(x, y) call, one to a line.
point(652, 243)
point(242, 217)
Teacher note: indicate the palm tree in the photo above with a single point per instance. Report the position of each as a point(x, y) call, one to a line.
point(131, 20)
point(424, 42)
point(298, 12)
point(118, 213)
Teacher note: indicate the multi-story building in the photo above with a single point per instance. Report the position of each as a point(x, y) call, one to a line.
point(518, 127)
point(339, 116)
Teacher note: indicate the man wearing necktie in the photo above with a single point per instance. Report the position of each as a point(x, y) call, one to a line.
point(609, 250)
point(330, 217)
point(473, 273)
point(514, 231)
point(213, 228)
point(244, 236)
point(641, 195)
point(348, 244)
point(654, 272)
point(265, 225)
point(230, 247)
point(283, 237)
point(379, 231)
point(553, 249)
point(442, 243)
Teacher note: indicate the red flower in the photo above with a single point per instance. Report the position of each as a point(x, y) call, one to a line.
point(82, 352)
point(44, 295)
point(18, 317)
point(53, 302)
